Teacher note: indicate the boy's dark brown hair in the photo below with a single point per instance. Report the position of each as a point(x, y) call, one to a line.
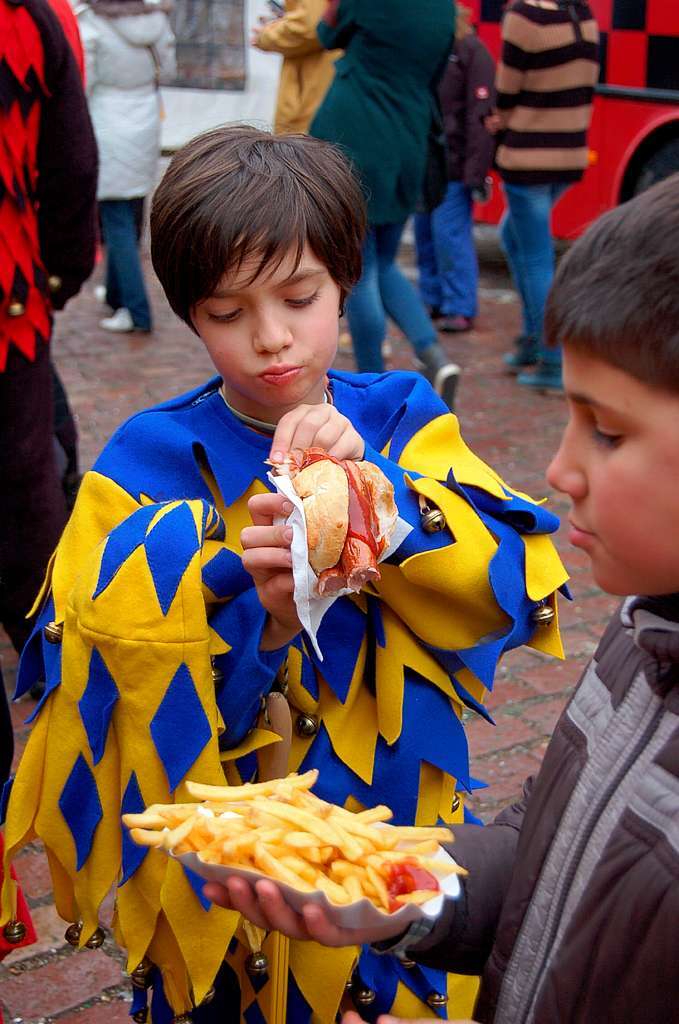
point(615, 294)
point(236, 192)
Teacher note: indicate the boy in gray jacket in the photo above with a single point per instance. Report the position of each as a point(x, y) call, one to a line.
point(570, 907)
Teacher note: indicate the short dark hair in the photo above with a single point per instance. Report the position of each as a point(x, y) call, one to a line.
point(615, 294)
point(236, 191)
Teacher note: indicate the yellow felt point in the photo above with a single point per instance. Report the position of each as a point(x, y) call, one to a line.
point(44, 588)
point(62, 888)
point(353, 805)
point(547, 638)
point(545, 572)
point(277, 948)
point(164, 951)
point(26, 791)
point(138, 906)
point(298, 696)
point(446, 812)
point(402, 650)
point(429, 794)
point(8, 898)
point(472, 685)
point(255, 740)
point(438, 445)
point(408, 1006)
point(311, 962)
point(202, 936)
point(355, 717)
point(462, 993)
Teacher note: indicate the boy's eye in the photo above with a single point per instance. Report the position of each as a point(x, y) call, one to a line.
point(605, 439)
point(297, 303)
point(224, 318)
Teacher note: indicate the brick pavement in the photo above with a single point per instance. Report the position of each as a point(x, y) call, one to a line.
point(108, 377)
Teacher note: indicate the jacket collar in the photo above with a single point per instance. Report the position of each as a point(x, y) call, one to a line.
point(654, 622)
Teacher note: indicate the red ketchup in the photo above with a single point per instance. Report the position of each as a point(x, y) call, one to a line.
point(405, 876)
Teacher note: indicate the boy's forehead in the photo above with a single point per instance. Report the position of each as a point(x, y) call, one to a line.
point(256, 271)
point(591, 381)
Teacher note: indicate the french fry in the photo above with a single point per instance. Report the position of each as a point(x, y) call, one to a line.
point(418, 896)
point(229, 794)
point(145, 837)
point(273, 867)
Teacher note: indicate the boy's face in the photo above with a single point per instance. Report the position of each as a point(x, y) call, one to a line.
point(619, 464)
point(273, 339)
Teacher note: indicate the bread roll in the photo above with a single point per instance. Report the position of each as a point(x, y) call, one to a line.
point(324, 491)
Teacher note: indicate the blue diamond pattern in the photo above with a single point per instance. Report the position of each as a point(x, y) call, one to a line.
point(180, 728)
point(224, 574)
point(170, 546)
point(81, 807)
point(97, 703)
point(121, 542)
point(132, 854)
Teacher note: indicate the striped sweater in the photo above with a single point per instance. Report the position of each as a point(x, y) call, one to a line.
point(545, 82)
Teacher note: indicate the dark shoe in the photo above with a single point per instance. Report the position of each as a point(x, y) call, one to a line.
point(527, 353)
point(434, 312)
point(455, 324)
point(545, 378)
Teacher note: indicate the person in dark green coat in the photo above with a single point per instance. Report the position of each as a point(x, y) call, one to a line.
point(380, 109)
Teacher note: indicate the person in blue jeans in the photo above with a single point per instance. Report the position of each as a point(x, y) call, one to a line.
point(545, 81)
point(379, 109)
point(128, 46)
point(526, 239)
point(446, 255)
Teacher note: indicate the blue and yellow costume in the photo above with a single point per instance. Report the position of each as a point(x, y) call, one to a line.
point(149, 645)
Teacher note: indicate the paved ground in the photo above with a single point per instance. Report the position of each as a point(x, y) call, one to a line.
point(108, 378)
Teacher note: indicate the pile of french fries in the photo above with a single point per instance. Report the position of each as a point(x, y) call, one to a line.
point(282, 830)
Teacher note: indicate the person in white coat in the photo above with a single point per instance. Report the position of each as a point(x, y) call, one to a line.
point(128, 46)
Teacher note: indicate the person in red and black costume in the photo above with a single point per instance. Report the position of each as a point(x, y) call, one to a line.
point(48, 173)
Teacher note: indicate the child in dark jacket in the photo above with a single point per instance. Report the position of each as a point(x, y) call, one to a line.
point(446, 256)
point(570, 905)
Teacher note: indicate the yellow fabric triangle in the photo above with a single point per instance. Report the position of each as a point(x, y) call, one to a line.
point(322, 974)
point(545, 572)
point(438, 445)
point(202, 936)
point(356, 717)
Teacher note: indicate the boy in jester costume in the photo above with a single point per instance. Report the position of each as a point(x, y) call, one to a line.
point(168, 615)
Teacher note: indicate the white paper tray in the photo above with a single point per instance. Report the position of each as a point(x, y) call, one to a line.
point(363, 914)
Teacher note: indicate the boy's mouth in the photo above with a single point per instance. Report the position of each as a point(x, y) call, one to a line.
point(280, 374)
point(578, 536)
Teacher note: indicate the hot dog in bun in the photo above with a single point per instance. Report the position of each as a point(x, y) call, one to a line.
point(350, 515)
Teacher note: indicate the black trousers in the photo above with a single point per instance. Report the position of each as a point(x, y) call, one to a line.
point(32, 504)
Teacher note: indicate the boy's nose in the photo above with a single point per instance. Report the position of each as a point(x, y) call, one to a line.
point(271, 334)
point(564, 472)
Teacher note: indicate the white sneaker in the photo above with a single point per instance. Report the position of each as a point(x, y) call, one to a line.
point(100, 293)
point(445, 383)
point(121, 321)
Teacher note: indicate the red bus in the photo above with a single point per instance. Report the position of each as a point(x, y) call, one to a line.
point(634, 137)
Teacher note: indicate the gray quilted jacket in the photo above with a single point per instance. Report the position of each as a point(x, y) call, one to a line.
point(571, 908)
